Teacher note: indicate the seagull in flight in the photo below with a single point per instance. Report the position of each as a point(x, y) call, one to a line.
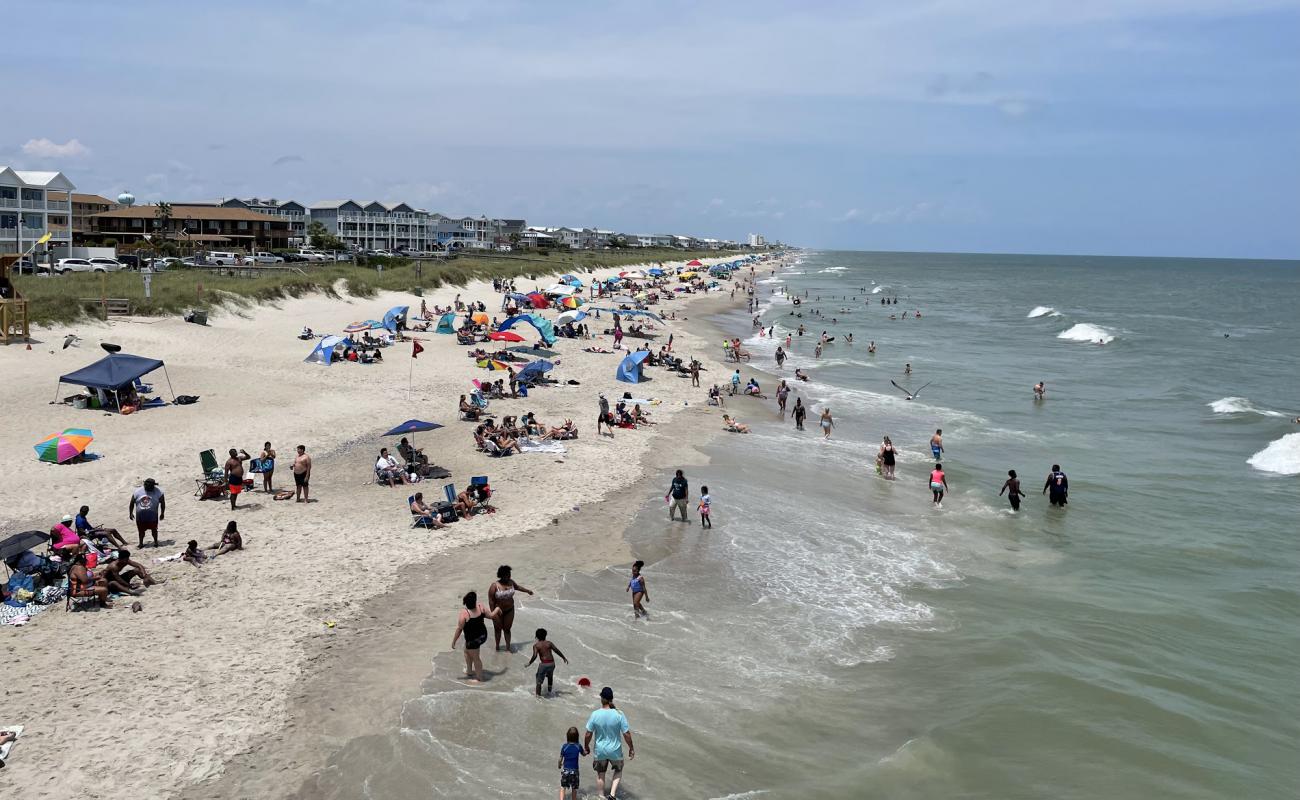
point(910, 395)
point(70, 340)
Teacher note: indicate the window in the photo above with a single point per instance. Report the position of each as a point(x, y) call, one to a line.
point(8, 193)
point(33, 194)
point(8, 220)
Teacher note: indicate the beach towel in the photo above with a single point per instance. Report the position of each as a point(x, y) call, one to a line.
point(529, 446)
point(7, 747)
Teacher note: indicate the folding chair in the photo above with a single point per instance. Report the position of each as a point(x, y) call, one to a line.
point(420, 520)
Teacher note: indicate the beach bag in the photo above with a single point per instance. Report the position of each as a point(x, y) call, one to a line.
point(186, 399)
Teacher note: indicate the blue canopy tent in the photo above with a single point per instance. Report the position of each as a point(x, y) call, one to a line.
point(447, 323)
point(655, 271)
point(323, 353)
point(543, 325)
point(571, 280)
point(630, 370)
point(113, 373)
point(395, 314)
point(533, 371)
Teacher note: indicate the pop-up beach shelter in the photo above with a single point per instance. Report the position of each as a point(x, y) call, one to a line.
point(534, 370)
point(694, 262)
point(574, 315)
point(571, 280)
point(447, 323)
point(543, 325)
point(630, 370)
point(114, 373)
point(323, 353)
point(395, 314)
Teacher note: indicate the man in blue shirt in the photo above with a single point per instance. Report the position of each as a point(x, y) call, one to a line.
point(87, 531)
point(609, 727)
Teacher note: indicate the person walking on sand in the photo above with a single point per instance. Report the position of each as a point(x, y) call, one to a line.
point(799, 413)
point(936, 444)
point(302, 475)
point(471, 625)
point(546, 651)
point(267, 460)
point(1058, 485)
point(678, 491)
point(609, 727)
point(603, 419)
point(235, 474)
point(887, 456)
point(147, 507)
point(695, 372)
point(827, 423)
point(938, 485)
point(501, 597)
point(1012, 484)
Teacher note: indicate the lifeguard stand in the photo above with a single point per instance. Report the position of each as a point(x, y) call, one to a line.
point(14, 324)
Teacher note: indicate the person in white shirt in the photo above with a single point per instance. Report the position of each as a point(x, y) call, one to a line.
point(387, 469)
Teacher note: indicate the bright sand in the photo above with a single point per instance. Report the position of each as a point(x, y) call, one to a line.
point(235, 658)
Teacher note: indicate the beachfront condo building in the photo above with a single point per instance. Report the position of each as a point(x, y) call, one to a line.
point(85, 206)
point(291, 211)
point(31, 205)
point(195, 227)
point(374, 225)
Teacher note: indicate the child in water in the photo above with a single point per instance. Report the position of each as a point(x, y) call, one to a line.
point(638, 589)
point(705, 506)
point(546, 651)
point(938, 484)
point(570, 752)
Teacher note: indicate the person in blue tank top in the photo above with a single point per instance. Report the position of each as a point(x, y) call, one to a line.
point(570, 752)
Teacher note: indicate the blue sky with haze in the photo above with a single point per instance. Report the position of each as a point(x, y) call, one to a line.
point(1110, 126)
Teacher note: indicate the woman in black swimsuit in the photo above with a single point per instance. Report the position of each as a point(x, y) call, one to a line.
point(501, 598)
point(887, 459)
point(475, 630)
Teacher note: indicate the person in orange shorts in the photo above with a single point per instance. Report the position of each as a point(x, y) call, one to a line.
point(235, 474)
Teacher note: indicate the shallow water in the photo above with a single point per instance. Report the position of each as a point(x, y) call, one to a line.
point(836, 636)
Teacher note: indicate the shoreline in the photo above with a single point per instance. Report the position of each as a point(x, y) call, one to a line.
point(210, 675)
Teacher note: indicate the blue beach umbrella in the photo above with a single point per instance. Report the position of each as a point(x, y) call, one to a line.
point(411, 426)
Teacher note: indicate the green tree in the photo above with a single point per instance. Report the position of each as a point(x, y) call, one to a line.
point(322, 239)
point(163, 213)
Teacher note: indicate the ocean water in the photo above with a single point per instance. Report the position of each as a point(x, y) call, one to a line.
point(834, 635)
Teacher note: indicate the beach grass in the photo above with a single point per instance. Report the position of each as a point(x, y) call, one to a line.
point(67, 298)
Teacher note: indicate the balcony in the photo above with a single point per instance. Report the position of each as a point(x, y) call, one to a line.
point(57, 205)
point(8, 202)
point(34, 204)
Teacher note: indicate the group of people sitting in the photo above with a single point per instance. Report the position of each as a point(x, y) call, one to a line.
point(94, 558)
point(506, 437)
point(473, 500)
point(413, 467)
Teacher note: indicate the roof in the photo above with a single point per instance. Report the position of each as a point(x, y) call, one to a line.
point(181, 212)
point(49, 180)
point(113, 371)
point(91, 198)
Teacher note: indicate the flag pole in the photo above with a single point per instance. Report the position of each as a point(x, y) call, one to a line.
point(410, 378)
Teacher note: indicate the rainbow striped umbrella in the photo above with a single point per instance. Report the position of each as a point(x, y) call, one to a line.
point(571, 302)
point(59, 447)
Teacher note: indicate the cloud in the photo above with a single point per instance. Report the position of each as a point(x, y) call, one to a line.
point(44, 148)
point(904, 214)
point(717, 201)
point(848, 216)
point(290, 159)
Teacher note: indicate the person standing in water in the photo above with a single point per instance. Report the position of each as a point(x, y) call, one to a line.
point(780, 357)
point(1058, 485)
point(871, 348)
point(827, 423)
point(471, 625)
point(1039, 390)
point(678, 491)
point(799, 413)
point(640, 594)
point(706, 507)
point(938, 484)
point(887, 456)
point(546, 651)
point(907, 368)
point(1012, 485)
point(782, 393)
point(501, 597)
point(936, 443)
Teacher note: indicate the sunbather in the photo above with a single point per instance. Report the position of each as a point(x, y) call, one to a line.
point(425, 512)
point(387, 469)
point(230, 540)
point(193, 554)
point(64, 540)
point(467, 410)
point(413, 455)
point(83, 583)
point(96, 532)
point(733, 425)
point(124, 571)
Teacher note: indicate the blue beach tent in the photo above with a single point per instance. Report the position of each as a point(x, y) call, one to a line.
point(655, 271)
point(630, 370)
point(571, 280)
point(323, 353)
point(447, 323)
point(534, 371)
point(114, 372)
point(394, 315)
point(543, 325)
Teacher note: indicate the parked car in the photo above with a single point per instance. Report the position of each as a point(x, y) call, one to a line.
point(224, 259)
point(191, 261)
point(263, 258)
point(504, 248)
point(110, 264)
point(25, 266)
point(291, 257)
point(313, 255)
point(66, 265)
point(131, 262)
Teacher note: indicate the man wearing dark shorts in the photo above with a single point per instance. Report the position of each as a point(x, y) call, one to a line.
point(603, 419)
point(147, 507)
point(302, 474)
point(610, 729)
point(235, 474)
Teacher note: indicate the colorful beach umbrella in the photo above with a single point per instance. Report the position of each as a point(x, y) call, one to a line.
point(366, 325)
point(60, 447)
point(572, 302)
point(505, 336)
point(493, 364)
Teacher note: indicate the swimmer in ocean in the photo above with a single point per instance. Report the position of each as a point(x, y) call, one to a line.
point(936, 444)
point(1039, 390)
point(907, 368)
point(871, 348)
point(1059, 486)
point(1013, 485)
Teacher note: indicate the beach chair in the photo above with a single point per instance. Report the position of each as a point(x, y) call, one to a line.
point(212, 486)
point(418, 520)
point(493, 449)
point(143, 388)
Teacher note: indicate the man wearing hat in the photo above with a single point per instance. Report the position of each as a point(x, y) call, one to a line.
point(147, 507)
point(604, 416)
point(609, 727)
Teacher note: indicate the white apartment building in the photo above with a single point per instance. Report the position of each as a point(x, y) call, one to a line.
point(374, 225)
point(757, 240)
point(31, 205)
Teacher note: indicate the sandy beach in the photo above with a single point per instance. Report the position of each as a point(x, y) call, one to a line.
point(239, 677)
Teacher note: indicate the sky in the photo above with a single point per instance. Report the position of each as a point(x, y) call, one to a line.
point(1126, 127)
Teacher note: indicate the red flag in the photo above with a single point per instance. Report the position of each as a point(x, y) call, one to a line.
point(416, 350)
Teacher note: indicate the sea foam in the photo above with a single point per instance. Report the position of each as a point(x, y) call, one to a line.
point(1043, 311)
point(1240, 405)
point(1087, 332)
point(1281, 456)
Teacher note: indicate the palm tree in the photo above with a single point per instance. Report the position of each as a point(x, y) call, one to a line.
point(163, 212)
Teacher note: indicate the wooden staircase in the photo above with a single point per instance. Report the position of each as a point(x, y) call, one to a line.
point(14, 322)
